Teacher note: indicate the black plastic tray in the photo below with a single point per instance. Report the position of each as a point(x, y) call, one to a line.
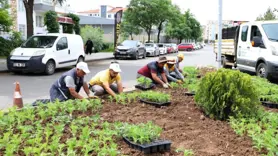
point(155, 103)
point(153, 147)
point(189, 93)
point(142, 87)
point(269, 104)
point(44, 101)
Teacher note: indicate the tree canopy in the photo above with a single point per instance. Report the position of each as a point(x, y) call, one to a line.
point(268, 15)
point(5, 19)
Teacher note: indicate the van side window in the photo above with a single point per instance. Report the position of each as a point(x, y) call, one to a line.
point(62, 44)
point(244, 32)
point(255, 32)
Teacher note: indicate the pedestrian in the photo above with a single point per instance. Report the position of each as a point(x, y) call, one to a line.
point(172, 72)
point(180, 58)
point(155, 72)
point(107, 81)
point(69, 84)
point(89, 46)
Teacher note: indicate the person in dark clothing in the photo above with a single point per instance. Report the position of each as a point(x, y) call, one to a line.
point(70, 83)
point(89, 46)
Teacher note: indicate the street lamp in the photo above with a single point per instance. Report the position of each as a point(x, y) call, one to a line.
point(219, 32)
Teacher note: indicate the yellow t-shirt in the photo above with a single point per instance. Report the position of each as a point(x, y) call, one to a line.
point(169, 69)
point(102, 77)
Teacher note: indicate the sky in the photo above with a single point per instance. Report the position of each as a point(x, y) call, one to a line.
point(204, 10)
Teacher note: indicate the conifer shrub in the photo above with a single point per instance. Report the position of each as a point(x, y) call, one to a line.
point(227, 93)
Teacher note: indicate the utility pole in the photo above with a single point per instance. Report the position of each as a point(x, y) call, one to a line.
point(219, 32)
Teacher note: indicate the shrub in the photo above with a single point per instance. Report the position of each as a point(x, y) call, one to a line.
point(227, 93)
point(7, 45)
point(108, 47)
point(95, 34)
point(50, 21)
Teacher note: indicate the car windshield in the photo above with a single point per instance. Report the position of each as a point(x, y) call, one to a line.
point(149, 45)
point(40, 42)
point(129, 43)
point(271, 31)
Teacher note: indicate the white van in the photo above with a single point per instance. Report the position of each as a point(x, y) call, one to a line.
point(46, 52)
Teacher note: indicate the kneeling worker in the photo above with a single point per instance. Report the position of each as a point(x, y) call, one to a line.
point(172, 72)
point(103, 82)
point(155, 72)
point(70, 83)
point(180, 58)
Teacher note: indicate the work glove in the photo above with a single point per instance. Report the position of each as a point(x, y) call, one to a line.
point(165, 85)
point(179, 81)
point(169, 86)
point(93, 97)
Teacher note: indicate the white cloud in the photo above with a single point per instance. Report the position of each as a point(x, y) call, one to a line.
point(204, 10)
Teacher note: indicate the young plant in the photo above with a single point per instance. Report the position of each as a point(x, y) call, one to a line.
point(174, 85)
point(153, 96)
point(186, 152)
point(144, 81)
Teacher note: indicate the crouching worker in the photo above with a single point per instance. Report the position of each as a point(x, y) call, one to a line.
point(180, 58)
point(104, 81)
point(172, 72)
point(70, 83)
point(155, 72)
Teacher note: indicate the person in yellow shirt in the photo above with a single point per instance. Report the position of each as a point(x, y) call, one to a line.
point(104, 81)
point(172, 72)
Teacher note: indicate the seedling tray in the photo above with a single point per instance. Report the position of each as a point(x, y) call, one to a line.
point(44, 101)
point(153, 147)
point(269, 104)
point(143, 87)
point(156, 104)
point(189, 93)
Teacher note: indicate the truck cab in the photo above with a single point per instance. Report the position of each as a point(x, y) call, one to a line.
point(254, 48)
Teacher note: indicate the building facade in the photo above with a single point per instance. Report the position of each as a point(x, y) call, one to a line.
point(104, 11)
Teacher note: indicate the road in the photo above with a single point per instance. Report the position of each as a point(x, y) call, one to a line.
point(35, 86)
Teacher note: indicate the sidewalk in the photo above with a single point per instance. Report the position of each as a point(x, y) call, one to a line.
point(88, 58)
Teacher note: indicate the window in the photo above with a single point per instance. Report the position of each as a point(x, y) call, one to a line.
point(21, 29)
point(244, 32)
point(271, 31)
point(90, 14)
point(62, 44)
point(109, 16)
point(39, 21)
point(255, 32)
point(21, 7)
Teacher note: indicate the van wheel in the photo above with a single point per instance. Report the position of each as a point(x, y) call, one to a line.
point(262, 70)
point(50, 67)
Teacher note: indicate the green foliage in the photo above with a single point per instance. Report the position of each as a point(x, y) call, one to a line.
point(141, 133)
point(7, 45)
point(262, 129)
point(190, 71)
point(5, 19)
point(95, 34)
point(153, 96)
point(129, 29)
point(144, 81)
point(194, 25)
point(174, 85)
point(124, 98)
point(69, 28)
point(108, 47)
point(227, 93)
point(268, 15)
point(186, 152)
point(50, 21)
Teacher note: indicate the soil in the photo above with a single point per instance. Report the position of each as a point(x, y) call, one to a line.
point(184, 124)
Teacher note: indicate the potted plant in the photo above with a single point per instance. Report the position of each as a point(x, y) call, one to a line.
point(157, 99)
point(144, 84)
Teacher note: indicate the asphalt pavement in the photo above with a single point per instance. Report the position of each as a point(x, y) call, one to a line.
point(36, 86)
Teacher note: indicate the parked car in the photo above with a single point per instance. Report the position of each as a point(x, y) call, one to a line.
point(152, 49)
point(130, 49)
point(46, 52)
point(170, 49)
point(175, 47)
point(194, 46)
point(185, 47)
point(162, 48)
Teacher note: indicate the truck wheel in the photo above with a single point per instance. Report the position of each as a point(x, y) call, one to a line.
point(223, 62)
point(50, 67)
point(262, 70)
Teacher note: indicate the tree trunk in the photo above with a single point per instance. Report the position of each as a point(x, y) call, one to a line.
point(180, 40)
point(131, 36)
point(29, 7)
point(149, 34)
point(159, 30)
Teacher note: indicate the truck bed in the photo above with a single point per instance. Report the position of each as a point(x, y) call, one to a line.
point(227, 48)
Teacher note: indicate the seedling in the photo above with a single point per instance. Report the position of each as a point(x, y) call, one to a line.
point(153, 96)
point(144, 81)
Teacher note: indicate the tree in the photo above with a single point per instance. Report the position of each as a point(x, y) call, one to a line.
point(268, 15)
point(194, 25)
point(29, 8)
point(50, 21)
point(128, 28)
point(143, 13)
point(5, 19)
point(95, 34)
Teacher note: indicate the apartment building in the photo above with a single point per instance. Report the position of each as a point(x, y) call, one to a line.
point(104, 11)
point(18, 14)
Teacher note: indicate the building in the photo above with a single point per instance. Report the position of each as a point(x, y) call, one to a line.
point(18, 14)
point(105, 11)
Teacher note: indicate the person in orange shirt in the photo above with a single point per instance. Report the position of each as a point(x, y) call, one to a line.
point(107, 81)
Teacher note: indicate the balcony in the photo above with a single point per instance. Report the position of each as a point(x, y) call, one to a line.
point(45, 5)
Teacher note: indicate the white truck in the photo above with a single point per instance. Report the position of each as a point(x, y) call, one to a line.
point(253, 47)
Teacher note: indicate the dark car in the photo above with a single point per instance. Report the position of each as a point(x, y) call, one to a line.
point(130, 49)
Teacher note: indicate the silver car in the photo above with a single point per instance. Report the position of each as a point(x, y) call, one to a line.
point(152, 49)
point(162, 48)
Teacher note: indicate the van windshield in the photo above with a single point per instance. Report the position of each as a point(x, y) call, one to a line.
point(40, 42)
point(271, 31)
